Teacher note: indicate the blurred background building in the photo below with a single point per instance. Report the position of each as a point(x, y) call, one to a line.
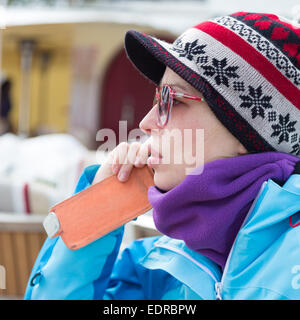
point(64, 75)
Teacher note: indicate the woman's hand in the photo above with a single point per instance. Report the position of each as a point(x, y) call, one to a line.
point(120, 161)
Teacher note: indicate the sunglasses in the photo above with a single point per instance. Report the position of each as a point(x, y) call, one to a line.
point(164, 99)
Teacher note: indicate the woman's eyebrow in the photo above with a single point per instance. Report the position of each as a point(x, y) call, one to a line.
point(175, 86)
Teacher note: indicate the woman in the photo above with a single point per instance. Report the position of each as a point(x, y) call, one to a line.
point(236, 77)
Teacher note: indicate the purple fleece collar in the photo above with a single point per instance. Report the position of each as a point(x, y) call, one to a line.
point(207, 210)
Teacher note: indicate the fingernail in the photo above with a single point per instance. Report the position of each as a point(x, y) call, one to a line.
point(122, 176)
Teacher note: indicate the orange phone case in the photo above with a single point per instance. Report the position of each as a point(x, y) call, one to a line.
point(99, 209)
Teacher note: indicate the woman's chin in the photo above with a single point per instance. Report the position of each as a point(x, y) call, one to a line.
point(165, 180)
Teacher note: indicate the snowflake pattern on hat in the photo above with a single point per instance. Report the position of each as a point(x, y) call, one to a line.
point(256, 102)
point(221, 71)
point(188, 50)
point(283, 128)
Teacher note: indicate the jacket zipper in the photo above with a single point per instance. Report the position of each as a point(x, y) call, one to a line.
point(218, 290)
point(219, 285)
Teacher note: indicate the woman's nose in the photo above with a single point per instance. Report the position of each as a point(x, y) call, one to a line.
point(149, 122)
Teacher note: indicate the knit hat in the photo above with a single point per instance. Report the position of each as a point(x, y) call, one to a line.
point(246, 65)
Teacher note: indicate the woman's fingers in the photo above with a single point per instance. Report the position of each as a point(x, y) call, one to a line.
point(112, 163)
point(119, 156)
point(105, 169)
point(143, 154)
point(127, 166)
point(121, 160)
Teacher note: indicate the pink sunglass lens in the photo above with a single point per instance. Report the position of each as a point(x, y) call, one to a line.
point(164, 104)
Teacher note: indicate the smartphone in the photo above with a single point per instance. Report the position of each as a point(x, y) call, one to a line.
point(100, 209)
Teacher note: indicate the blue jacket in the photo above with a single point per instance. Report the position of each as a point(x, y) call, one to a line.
point(263, 263)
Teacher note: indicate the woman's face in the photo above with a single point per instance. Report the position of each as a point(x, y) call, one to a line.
point(180, 135)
